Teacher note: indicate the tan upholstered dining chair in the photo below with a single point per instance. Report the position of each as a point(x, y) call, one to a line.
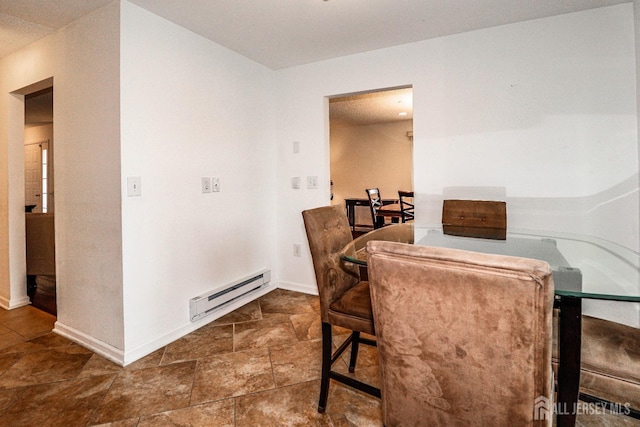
point(344, 298)
point(464, 338)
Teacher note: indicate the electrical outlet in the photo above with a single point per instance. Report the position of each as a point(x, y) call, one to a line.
point(205, 184)
point(297, 249)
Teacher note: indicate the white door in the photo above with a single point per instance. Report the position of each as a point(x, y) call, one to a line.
point(38, 176)
point(46, 157)
point(33, 175)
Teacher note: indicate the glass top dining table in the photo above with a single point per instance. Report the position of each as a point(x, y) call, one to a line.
point(571, 283)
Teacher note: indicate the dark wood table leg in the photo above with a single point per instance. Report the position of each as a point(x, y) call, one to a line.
point(569, 344)
point(351, 215)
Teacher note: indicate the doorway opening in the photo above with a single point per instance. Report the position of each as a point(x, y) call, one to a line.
point(371, 146)
point(40, 199)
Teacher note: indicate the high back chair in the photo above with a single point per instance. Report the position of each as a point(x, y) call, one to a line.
point(406, 205)
point(464, 338)
point(380, 211)
point(475, 218)
point(344, 298)
point(375, 203)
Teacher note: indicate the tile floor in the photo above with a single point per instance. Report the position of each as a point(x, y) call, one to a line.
point(257, 366)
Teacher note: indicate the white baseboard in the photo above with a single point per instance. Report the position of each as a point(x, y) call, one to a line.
point(14, 303)
point(99, 347)
point(151, 346)
point(298, 287)
point(124, 358)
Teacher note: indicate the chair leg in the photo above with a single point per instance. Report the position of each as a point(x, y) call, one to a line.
point(326, 366)
point(355, 342)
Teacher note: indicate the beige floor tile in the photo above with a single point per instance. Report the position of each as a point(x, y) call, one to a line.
point(592, 416)
point(46, 366)
point(149, 361)
point(351, 408)
point(64, 404)
point(8, 398)
point(247, 313)
point(218, 414)
point(367, 355)
point(26, 311)
point(98, 365)
point(234, 374)
point(8, 360)
point(291, 406)
point(286, 302)
point(206, 341)
point(130, 422)
point(367, 365)
point(308, 326)
point(10, 338)
point(147, 391)
point(30, 323)
point(49, 340)
point(263, 333)
point(296, 363)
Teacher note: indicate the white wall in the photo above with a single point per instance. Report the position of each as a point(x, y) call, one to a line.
point(38, 133)
point(82, 60)
point(190, 109)
point(541, 112)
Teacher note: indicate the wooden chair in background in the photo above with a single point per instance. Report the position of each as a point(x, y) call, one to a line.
point(406, 205)
point(380, 211)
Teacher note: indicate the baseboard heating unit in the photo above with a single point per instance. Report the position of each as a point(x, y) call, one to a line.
point(205, 304)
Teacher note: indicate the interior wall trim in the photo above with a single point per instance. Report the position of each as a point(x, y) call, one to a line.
point(101, 348)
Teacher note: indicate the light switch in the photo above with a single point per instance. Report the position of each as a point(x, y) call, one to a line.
point(312, 182)
point(205, 184)
point(215, 184)
point(134, 186)
point(296, 147)
point(295, 182)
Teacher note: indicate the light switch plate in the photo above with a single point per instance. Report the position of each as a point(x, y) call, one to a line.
point(205, 184)
point(312, 182)
point(134, 186)
point(295, 182)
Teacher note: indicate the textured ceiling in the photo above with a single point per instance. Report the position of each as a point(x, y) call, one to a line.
point(372, 107)
point(23, 22)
